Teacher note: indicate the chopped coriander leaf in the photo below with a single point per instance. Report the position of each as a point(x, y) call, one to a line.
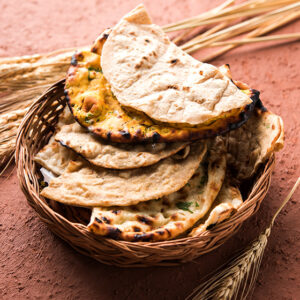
point(184, 206)
point(87, 120)
point(94, 69)
point(196, 204)
point(203, 180)
point(89, 77)
point(43, 183)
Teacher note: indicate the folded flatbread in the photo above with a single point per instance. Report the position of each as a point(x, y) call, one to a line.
point(149, 73)
point(96, 108)
point(252, 144)
point(81, 184)
point(53, 156)
point(228, 201)
point(169, 216)
point(115, 156)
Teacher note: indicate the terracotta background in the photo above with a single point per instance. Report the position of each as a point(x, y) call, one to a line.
point(35, 264)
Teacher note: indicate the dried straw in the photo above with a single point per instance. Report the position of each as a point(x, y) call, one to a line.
point(291, 36)
point(264, 29)
point(236, 280)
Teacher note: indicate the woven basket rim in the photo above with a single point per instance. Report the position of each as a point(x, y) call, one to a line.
point(27, 175)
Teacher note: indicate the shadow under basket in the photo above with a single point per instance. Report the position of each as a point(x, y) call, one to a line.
point(69, 223)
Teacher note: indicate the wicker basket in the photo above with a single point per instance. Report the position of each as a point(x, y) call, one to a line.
point(34, 132)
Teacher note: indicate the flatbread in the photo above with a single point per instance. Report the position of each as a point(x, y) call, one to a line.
point(84, 185)
point(253, 143)
point(149, 73)
point(53, 156)
point(115, 156)
point(170, 216)
point(228, 201)
point(96, 108)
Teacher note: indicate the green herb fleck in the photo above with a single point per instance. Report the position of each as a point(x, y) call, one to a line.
point(87, 118)
point(184, 206)
point(89, 76)
point(203, 180)
point(94, 69)
point(196, 204)
point(267, 125)
point(43, 183)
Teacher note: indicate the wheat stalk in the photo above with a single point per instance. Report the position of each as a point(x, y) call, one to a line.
point(291, 36)
point(237, 278)
point(266, 28)
point(252, 5)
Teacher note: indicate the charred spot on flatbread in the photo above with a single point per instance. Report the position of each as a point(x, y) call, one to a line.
point(96, 108)
point(82, 184)
point(173, 214)
point(171, 86)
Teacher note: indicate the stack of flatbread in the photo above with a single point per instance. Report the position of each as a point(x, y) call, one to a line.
point(153, 142)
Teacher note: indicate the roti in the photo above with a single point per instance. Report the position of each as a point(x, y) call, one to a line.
point(149, 73)
point(169, 216)
point(96, 108)
point(81, 184)
point(53, 156)
point(253, 143)
point(228, 201)
point(98, 152)
point(116, 156)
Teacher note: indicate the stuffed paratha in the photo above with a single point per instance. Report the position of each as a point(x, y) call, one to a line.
point(82, 184)
point(115, 156)
point(170, 216)
point(96, 108)
point(149, 73)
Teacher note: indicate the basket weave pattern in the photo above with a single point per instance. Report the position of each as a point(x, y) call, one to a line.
point(37, 126)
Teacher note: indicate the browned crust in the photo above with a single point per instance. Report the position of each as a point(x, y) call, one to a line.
point(102, 227)
point(98, 44)
point(220, 126)
point(181, 135)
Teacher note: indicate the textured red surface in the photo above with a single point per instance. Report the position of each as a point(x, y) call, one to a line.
point(35, 264)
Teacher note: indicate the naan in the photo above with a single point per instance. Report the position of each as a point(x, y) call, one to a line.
point(53, 156)
point(228, 201)
point(252, 144)
point(81, 184)
point(96, 108)
point(171, 215)
point(116, 156)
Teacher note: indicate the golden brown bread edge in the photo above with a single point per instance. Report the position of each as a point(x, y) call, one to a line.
point(215, 128)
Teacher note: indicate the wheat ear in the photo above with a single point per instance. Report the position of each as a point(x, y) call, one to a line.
point(235, 280)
